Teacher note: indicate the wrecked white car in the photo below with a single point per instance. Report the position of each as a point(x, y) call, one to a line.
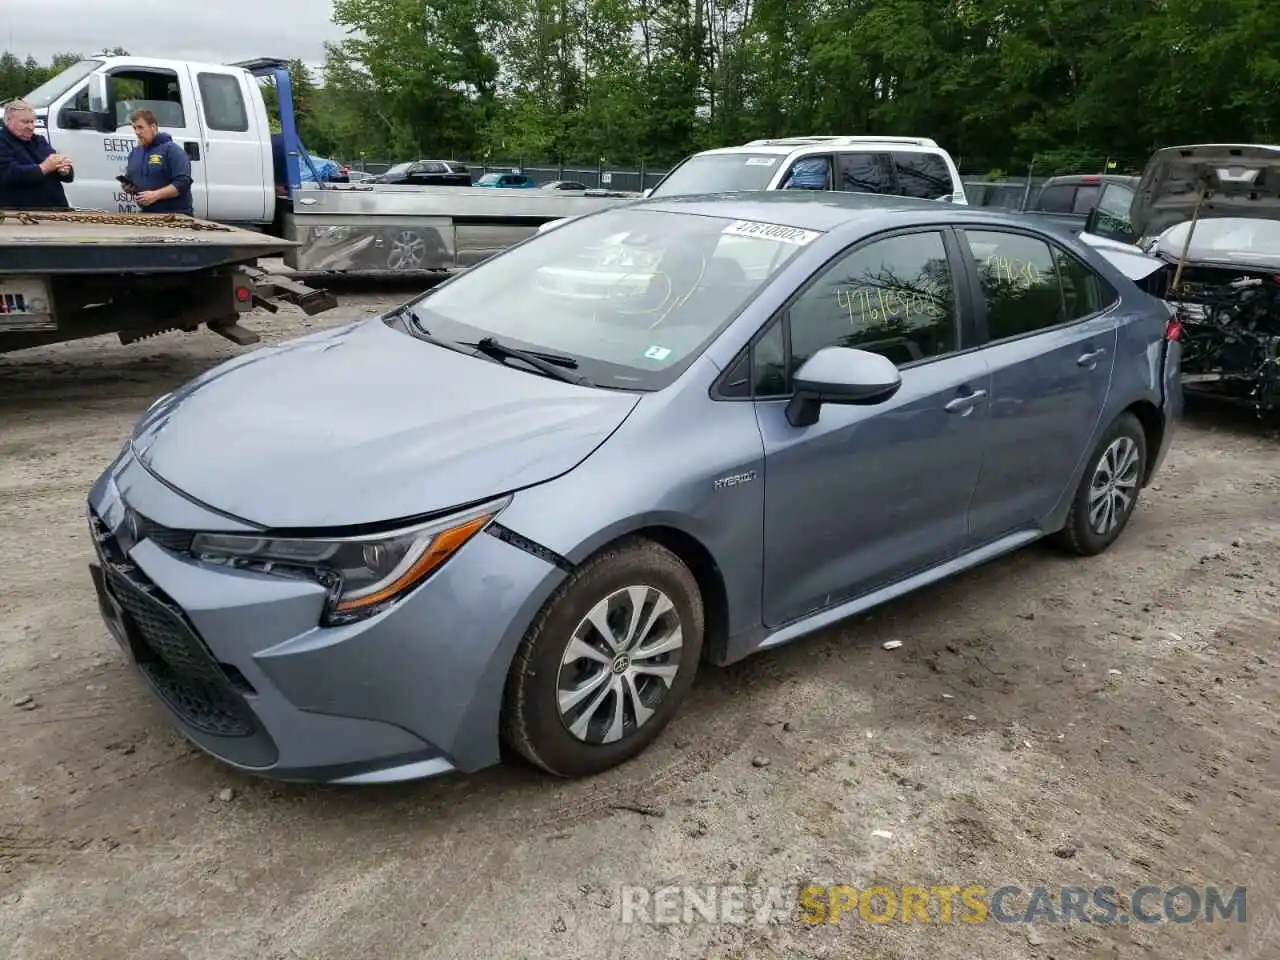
point(1202, 232)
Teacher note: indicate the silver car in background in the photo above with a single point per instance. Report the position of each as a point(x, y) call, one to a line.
point(528, 505)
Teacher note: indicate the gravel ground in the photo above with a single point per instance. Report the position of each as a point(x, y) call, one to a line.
point(1045, 721)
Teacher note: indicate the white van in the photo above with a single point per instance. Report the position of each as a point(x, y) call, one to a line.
point(897, 166)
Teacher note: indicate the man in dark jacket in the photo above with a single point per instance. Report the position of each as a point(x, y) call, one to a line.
point(158, 169)
point(31, 174)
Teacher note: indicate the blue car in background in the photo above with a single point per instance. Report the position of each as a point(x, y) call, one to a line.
point(527, 506)
point(326, 171)
point(506, 181)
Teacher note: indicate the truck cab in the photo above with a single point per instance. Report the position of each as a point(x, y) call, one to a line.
point(216, 112)
point(1067, 200)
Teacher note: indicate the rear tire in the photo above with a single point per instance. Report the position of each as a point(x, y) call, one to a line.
point(1108, 490)
point(607, 663)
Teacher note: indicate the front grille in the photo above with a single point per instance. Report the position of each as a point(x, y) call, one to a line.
point(179, 541)
point(183, 671)
point(164, 631)
point(137, 528)
point(166, 647)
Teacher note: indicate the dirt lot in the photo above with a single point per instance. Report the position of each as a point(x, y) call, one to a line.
point(1045, 721)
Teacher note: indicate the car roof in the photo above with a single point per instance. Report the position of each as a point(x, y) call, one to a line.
point(827, 210)
point(785, 148)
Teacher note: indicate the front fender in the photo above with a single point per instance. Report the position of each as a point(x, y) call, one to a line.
point(699, 471)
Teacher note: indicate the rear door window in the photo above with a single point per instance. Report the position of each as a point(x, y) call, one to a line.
point(864, 173)
point(1018, 280)
point(923, 175)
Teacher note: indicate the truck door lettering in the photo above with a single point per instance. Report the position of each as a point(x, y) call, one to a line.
point(118, 148)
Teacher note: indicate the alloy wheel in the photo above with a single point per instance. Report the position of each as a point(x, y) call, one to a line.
point(619, 664)
point(1114, 486)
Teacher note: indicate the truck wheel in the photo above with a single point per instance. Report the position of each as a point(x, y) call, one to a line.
point(1108, 490)
point(608, 661)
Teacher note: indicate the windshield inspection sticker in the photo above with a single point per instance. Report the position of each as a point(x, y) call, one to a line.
point(657, 353)
point(770, 231)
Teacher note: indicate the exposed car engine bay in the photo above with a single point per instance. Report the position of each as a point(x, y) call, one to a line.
point(1205, 238)
point(1230, 333)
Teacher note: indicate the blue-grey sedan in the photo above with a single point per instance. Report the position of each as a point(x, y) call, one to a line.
point(527, 506)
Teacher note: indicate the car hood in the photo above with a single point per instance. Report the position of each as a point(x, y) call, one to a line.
point(1243, 180)
point(365, 424)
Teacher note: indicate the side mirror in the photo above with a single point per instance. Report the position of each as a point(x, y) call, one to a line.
point(1091, 221)
point(70, 119)
point(841, 375)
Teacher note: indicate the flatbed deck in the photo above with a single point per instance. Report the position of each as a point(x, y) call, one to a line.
point(59, 242)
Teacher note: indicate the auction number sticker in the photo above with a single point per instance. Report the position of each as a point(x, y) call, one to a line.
point(771, 231)
point(761, 161)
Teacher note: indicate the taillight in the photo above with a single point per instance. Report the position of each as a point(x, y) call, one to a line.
point(1173, 331)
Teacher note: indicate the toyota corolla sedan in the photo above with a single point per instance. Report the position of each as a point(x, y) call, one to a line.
point(528, 506)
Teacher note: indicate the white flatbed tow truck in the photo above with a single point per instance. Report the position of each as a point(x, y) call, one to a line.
point(67, 275)
point(246, 175)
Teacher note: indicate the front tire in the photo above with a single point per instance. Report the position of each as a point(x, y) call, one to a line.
point(607, 663)
point(1108, 490)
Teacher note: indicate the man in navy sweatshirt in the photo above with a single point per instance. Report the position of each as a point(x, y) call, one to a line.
point(31, 174)
point(158, 169)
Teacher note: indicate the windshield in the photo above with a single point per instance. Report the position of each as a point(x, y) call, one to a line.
point(489, 178)
point(1227, 238)
point(720, 173)
point(42, 96)
point(399, 170)
point(633, 296)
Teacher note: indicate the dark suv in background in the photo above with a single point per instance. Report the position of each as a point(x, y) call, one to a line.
point(426, 173)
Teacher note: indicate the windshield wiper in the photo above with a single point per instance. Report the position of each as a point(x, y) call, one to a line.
point(406, 312)
point(416, 327)
point(555, 365)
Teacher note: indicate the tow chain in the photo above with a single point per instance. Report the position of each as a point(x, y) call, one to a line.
point(174, 220)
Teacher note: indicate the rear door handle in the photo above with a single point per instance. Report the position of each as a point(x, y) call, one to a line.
point(966, 403)
point(1090, 359)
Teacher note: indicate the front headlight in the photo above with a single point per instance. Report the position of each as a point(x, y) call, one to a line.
point(363, 574)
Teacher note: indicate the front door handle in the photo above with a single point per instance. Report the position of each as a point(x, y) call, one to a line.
point(965, 404)
point(1090, 359)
